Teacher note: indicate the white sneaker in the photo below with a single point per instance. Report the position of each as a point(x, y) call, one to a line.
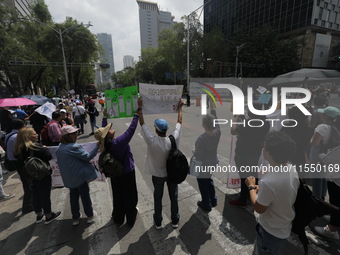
point(325, 231)
point(327, 218)
point(91, 219)
point(158, 227)
point(6, 197)
point(76, 222)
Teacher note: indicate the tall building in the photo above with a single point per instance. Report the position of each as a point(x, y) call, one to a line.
point(22, 6)
point(128, 61)
point(314, 22)
point(151, 22)
point(106, 56)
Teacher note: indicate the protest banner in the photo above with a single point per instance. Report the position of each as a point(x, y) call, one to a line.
point(57, 180)
point(121, 102)
point(160, 98)
point(46, 109)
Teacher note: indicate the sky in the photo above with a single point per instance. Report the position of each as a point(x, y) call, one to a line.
point(120, 18)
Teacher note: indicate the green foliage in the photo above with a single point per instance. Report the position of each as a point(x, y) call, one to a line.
point(126, 77)
point(37, 39)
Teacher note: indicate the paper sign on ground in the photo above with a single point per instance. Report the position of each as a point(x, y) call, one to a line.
point(121, 102)
point(160, 98)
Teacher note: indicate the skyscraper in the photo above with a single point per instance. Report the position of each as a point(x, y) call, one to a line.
point(106, 56)
point(128, 61)
point(22, 6)
point(151, 22)
point(315, 23)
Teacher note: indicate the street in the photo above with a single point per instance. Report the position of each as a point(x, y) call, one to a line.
point(225, 230)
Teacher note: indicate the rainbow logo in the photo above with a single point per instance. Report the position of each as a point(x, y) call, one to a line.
point(209, 93)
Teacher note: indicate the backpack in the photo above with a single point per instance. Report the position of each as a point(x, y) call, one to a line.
point(36, 168)
point(334, 140)
point(307, 208)
point(109, 165)
point(45, 139)
point(177, 166)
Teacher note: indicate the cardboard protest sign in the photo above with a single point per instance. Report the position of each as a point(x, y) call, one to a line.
point(160, 98)
point(121, 102)
point(57, 180)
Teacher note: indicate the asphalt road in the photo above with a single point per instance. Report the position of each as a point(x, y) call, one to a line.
point(225, 230)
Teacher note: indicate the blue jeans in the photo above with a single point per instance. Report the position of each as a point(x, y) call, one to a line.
point(207, 190)
point(84, 192)
point(93, 124)
point(158, 183)
point(267, 244)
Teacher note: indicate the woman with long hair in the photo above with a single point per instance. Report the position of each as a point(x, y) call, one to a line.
point(26, 145)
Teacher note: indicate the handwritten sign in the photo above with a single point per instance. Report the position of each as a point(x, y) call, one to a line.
point(121, 102)
point(160, 98)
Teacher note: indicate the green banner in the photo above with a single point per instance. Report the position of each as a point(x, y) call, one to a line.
point(121, 102)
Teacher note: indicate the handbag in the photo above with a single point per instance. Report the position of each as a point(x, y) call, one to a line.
point(195, 165)
point(83, 116)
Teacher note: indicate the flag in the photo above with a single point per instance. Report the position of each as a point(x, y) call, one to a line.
point(46, 109)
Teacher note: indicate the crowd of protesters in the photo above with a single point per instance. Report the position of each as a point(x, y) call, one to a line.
point(271, 197)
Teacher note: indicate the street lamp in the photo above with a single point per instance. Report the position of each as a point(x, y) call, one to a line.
point(59, 35)
point(238, 48)
point(188, 40)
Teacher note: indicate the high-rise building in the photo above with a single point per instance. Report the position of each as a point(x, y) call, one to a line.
point(106, 56)
point(314, 22)
point(128, 61)
point(22, 6)
point(151, 22)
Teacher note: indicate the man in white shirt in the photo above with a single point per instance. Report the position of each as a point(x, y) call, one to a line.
point(77, 112)
point(159, 146)
point(275, 195)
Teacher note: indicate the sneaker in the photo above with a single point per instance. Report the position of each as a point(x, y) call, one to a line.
point(39, 218)
point(91, 219)
point(53, 217)
point(237, 203)
point(200, 205)
point(6, 197)
point(158, 227)
point(327, 218)
point(76, 221)
point(175, 224)
point(325, 231)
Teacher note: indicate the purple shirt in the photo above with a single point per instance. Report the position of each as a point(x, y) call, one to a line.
point(120, 147)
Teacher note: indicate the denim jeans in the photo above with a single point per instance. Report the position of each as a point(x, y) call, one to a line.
point(93, 124)
point(84, 192)
point(267, 244)
point(2, 192)
point(207, 190)
point(319, 185)
point(158, 183)
point(41, 191)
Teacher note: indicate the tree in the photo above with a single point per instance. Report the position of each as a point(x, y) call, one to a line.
point(265, 47)
point(126, 77)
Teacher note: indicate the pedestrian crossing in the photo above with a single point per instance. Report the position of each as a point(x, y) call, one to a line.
point(198, 233)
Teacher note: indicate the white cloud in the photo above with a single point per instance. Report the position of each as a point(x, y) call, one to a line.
point(120, 18)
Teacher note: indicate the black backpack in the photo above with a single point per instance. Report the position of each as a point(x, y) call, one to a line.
point(177, 166)
point(109, 165)
point(307, 208)
point(36, 168)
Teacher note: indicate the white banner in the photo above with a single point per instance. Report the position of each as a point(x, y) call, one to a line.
point(57, 181)
point(160, 98)
point(46, 109)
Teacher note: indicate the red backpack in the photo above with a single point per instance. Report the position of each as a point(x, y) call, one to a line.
point(45, 139)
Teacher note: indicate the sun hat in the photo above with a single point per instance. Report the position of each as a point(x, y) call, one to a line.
point(101, 133)
point(161, 125)
point(68, 130)
point(330, 111)
point(63, 110)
